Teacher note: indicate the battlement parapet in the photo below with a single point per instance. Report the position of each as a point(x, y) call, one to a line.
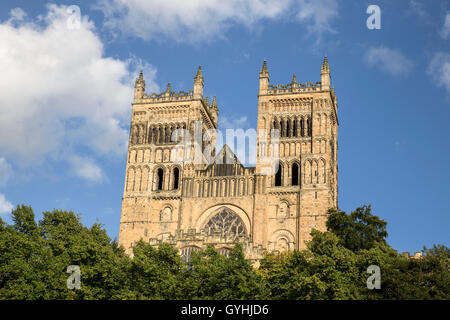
point(168, 96)
point(293, 88)
point(417, 255)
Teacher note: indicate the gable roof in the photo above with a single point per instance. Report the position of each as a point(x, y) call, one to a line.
point(226, 156)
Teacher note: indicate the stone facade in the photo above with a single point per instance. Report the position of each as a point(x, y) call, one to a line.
point(191, 204)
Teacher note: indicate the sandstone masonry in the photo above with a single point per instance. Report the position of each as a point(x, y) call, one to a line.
point(192, 204)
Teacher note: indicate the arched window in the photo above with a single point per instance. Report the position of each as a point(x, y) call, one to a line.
point(295, 174)
point(309, 127)
point(294, 127)
point(168, 133)
point(149, 137)
point(161, 135)
point(154, 135)
point(160, 174)
point(227, 223)
point(302, 127)
point(288, 127)
point(278, 176)
point(176, 178)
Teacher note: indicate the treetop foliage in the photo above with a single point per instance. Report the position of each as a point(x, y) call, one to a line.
point(34, 257)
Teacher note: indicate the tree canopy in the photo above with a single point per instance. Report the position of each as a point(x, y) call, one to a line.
point(34, 257)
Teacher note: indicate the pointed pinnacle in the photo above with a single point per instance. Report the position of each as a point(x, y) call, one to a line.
point(264, 71)
point(325, 65)
point(214, 102)
point(168, 87)
point(294, 79)
point(140, 80)
point(264, 67)
point(199, 72)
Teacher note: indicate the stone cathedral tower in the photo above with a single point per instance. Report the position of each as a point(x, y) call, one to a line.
point(270, 207)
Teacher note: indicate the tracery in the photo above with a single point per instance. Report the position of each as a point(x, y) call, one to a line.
point(227, 223)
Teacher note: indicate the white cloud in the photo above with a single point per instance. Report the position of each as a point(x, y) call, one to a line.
point(439, 70)
point(233, 122)
point(388, 60)
point(445, 32)
point(318, 15)
point(17, 14)
point(235, 131)
point(59, 92)
point(5, 205)
point(200, 20)
point(87, 169)
point(417, 8)
point(5, 171)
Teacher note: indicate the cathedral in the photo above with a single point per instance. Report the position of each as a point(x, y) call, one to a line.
point(178, 189)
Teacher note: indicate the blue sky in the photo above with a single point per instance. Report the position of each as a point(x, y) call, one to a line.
point(66, 89)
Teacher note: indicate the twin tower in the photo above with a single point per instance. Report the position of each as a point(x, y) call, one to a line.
point(190, 204)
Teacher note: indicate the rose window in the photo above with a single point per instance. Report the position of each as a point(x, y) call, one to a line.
point(227, 223)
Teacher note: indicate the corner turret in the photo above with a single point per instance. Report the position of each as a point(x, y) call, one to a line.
point(139, 87)
point(263, 79)
point(198, 84)
point(325, 75)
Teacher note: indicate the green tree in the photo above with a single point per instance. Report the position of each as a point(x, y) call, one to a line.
point(155, 271)
point(26, 265)
point(211, 275)
point(23, 217)
point(34, 258)
point(358, 230)
point(327, 270)
point(419, 279)
point(335, 265)
point(104, 268)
